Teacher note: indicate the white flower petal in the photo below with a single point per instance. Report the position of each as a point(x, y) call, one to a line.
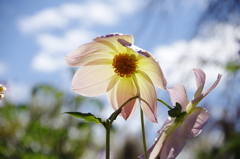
point(148, 94)
point(119, 94)
point(92, 80)
point(89, 52)
point(153, 70)
point(111, 40)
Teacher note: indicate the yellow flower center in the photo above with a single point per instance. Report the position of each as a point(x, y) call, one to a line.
point(124, 64)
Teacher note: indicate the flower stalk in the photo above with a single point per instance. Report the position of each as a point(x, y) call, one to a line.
point(108, 123)
point(164, 103)
point(143, 134)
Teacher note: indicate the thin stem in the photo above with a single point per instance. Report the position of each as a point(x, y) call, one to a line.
point(107, 127)
point(143, 134)
point(164, 103)
point(108, 123)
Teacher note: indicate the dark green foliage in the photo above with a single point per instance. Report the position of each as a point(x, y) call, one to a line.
point(37, 130)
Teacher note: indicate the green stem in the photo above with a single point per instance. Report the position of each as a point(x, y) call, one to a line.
point(164, 103)
point(108, 123)
point(143, 134)
point(107, 127)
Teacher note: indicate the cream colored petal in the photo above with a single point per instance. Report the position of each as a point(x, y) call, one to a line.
point(153, 70)
point(89, 52)
point(111, 40)
point(147, 93)
point(113, 82)
point(92, 80)
point(123, 90)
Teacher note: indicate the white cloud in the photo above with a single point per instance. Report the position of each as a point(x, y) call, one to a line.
point(46, 19)
point(178, 60)
point(54, 44)
point(47, 63)
point(90, 13)
point(55, 48)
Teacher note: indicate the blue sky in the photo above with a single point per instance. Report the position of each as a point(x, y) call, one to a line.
point(36, 36)
point(29, 28)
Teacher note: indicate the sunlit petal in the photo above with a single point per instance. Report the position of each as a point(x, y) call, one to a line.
point(195, 121)
point(119, 94)
point(158, 145)
point(111, 40)
point(199, 98)
point(87, 53)
point(147, 93)
point(153, 70)
point(188, 124)
point(178, 95)
point(165, 125)
point(175, 141)
point(159, 141)
point(92, 80)
point(200, 81)
point(213, 86)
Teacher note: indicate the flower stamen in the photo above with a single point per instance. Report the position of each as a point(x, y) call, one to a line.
point(124, 64)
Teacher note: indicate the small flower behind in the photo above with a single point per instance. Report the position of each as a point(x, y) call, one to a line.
point(112, 64)
point(2, 88)
point(186, 120)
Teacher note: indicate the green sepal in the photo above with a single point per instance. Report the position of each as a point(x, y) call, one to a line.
point(176, 111)
point(115, 114)
point(181, 117)
point(86, 116)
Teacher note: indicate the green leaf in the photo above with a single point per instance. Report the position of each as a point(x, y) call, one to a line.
point(86, 116)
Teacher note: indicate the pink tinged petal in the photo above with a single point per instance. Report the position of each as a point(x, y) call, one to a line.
point(148, 94)
point(87, 53)
point(126, 37)
point(196, 120)
point(213, 86)
point(153, 70)
point(173, 137)
point(111, 40)
point(165, 125)
point(134, 48)
point(174, 142)
point(197, 100)
point(92, 80)
point(159, 140)
point(200, 81)
point(120, 93)
point(158, 145)
point(170, 143)
point(178, 95)
point(148, 151)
